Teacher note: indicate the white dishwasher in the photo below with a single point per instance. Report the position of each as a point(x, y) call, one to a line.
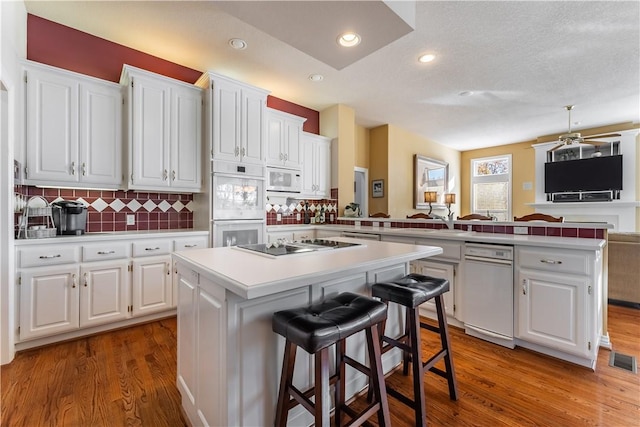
point(487, 296)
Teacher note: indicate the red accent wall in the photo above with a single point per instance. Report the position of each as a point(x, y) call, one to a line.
point(312, 125)
point(64, 47)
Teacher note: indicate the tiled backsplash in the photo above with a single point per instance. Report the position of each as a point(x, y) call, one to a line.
point(107, 210)
point(556, 230)
point(289, 213)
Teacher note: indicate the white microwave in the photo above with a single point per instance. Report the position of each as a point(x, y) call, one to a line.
point(285, 180)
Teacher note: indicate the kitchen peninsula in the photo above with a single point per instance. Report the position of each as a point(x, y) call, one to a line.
point(229, 360)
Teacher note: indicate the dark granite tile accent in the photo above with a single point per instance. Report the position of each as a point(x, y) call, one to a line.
point(554, 231)
point(569, 232)
point(537, 231)
point(587, 233)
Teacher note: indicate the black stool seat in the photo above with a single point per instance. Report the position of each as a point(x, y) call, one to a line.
point(412, 290)
point(323, 324)
point(315, 328)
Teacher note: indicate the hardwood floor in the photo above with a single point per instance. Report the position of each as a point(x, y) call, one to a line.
point(127, 378)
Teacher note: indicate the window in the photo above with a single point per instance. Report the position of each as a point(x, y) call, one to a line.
point(491, 187)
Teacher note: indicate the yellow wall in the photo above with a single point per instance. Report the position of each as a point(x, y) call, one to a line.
point(362, 147)
point(523, 171)
point(391, 158)
point(338, 122)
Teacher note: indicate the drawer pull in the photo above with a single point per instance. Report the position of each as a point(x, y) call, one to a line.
point(157, 248)
point(191, 246)
point(50, 256)
point(106, 252)
point(550, 261)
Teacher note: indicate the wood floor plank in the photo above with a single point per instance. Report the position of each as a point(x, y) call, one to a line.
point(127, 378)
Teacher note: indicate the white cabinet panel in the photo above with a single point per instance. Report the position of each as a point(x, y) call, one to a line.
point(164, 128)
point(48, 301)
point(441, 271)
point(187, 318)
point(151, 287)
point(284, 132)
point(100, 135)
point(73, 129)
point(316, 167)
point(104, 293)
point(234, 119)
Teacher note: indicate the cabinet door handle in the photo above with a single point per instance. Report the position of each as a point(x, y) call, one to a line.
point(243, 152)
point(73, 280)
point(281, 156)
point(550, 261)
point(73, 168)
point(168, 269)
point(165, 175)
point(286, 157)
point(524, 286)
point(152, 249)
point(85, 280)
point(50, 256)
point(84, 168)
point(106, 252)
point(237, 151)
point(173, 175)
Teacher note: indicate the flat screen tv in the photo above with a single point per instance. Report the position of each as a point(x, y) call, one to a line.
point(594, 174)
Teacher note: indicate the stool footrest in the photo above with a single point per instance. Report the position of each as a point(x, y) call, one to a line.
point(357, 418)
point(392, 342)
point(429, 327)
point(357, 365)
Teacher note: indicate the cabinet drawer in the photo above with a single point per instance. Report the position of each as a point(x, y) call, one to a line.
point(188, 243)
point(152, 247)
point(450, 250)
point(105, 251)
point(48, 255)
point(561, 261)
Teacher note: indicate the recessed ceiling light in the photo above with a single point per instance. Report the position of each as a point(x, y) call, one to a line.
point(238, 44)
point(466, 93)
point(349, 39)
point(428, 57)
point(316, 77)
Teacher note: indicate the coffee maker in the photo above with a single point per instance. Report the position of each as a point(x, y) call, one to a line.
point(70, 218)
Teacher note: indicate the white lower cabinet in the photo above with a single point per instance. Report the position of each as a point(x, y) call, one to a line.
point(104, 292)
point(48, 301)
point(558, 293)
point(70, 289)
point(151, 285)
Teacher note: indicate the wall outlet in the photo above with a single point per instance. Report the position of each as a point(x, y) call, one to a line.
point(298, 216)
point(279, 217)
point(520, 230)
point(131, 219)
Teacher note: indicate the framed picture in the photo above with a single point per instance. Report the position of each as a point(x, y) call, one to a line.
point(430, 175)
point(377, 188)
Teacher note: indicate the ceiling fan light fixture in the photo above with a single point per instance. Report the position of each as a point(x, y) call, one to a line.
point(349, 39)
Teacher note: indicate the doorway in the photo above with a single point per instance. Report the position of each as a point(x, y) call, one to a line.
point(361, 189)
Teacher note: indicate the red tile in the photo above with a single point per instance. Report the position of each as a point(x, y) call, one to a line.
point(120, 194)
point(537, 231)
point(487, 228)
point(94, 227)
point(499, 229)
point(80, 193)
point(119, 226)
point(554, 231)
point(108, 217)
point(95, 193)
point(599, 233)
point(108, 226)
point(569, 232)
point(51, 192)
point(587, 233)
point(66, 193)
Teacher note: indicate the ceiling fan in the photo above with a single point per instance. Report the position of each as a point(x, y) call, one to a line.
point(571, 138)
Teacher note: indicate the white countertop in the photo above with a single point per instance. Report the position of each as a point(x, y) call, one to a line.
point(252, 275)
point(114, 235)
point(459, 235)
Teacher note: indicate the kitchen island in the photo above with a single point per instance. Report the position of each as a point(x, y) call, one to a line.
point(229, 360)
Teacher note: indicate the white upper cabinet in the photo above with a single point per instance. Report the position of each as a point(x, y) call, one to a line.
point(234, 119)
point(316, 165)
point(73, 129)
point(284, 132)
point(164, 132)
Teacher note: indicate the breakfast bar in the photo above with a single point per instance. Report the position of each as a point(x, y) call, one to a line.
point(229, 359)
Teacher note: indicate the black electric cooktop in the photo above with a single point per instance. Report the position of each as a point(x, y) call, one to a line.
point(288, 248)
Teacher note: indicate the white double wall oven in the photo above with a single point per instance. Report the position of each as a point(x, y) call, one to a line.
point(237, 204)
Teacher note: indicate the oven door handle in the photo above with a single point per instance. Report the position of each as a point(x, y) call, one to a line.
point(235, 175)
point(488, 260)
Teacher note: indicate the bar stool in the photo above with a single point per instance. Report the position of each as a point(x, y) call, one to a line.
point(409, 292)
point(315, 328)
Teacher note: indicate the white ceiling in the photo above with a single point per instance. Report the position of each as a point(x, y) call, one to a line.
point(523, 61)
